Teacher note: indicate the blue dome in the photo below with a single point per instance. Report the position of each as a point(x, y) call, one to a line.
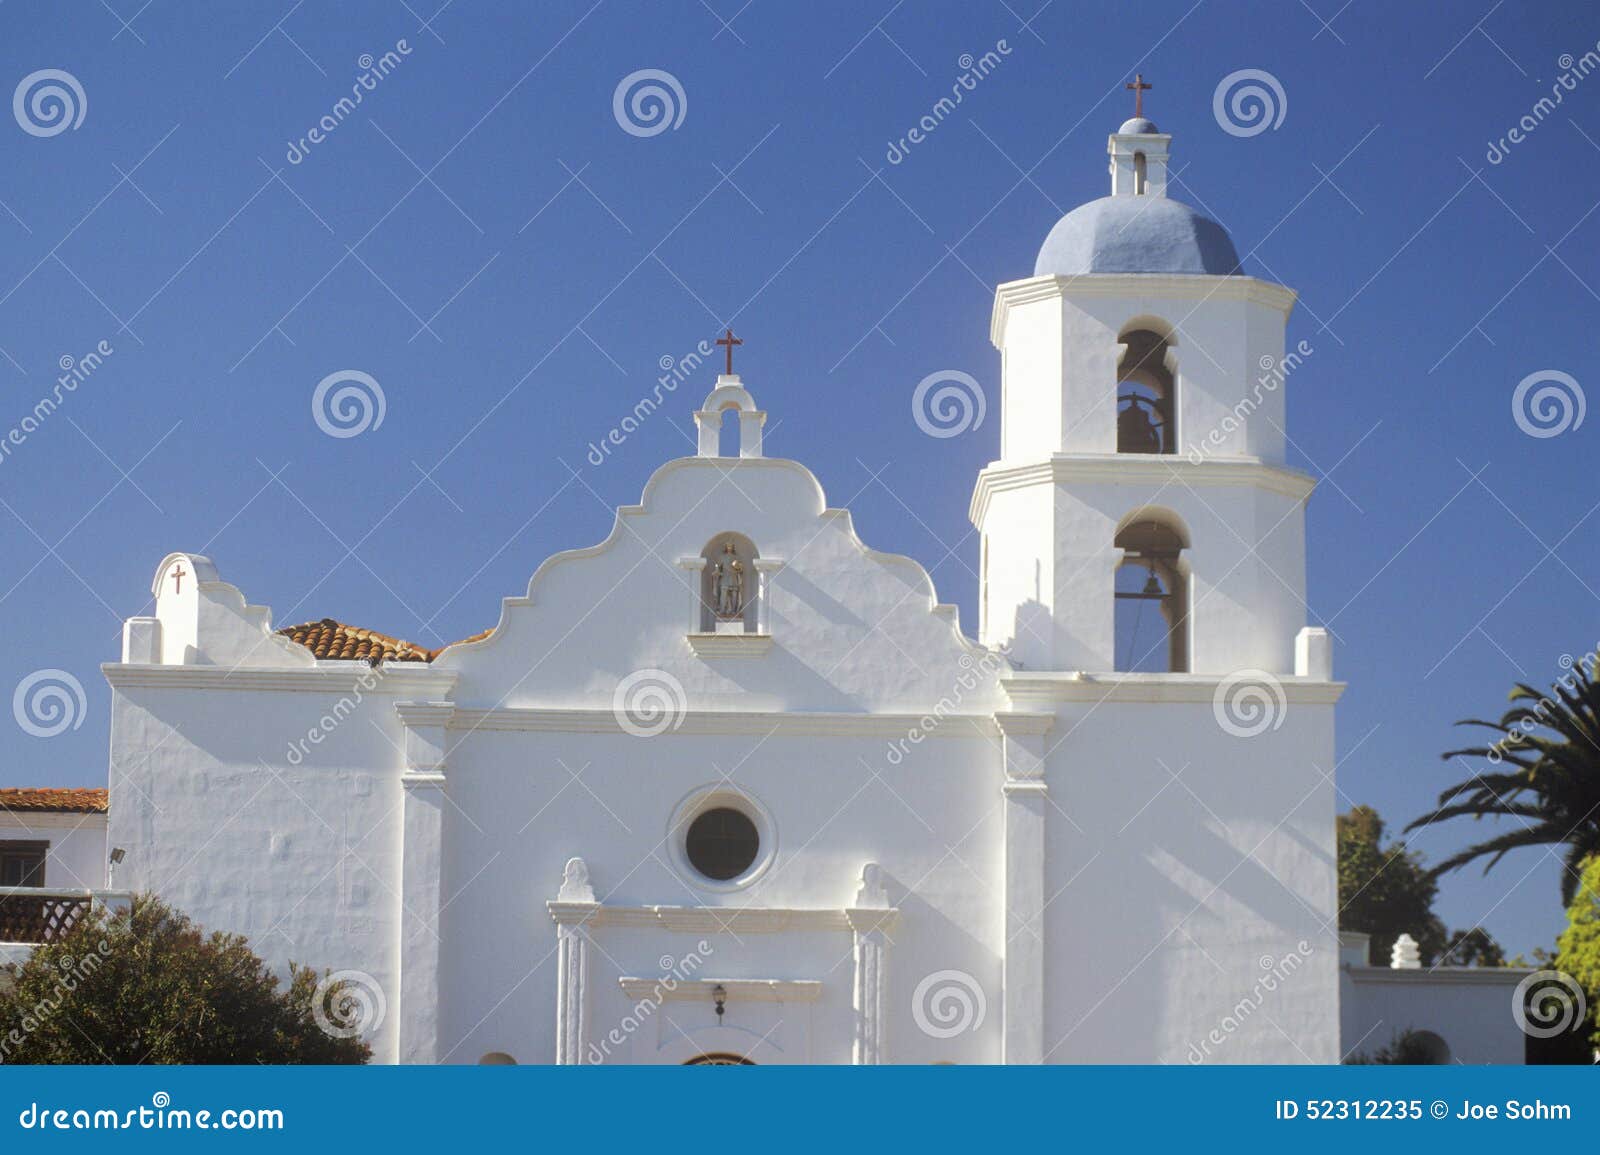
point(1136, 234)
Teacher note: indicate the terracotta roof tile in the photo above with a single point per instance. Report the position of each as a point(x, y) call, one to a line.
point(330, 640)
point(63, 800)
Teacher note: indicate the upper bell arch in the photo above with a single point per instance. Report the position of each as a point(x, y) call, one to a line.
point(729, 393)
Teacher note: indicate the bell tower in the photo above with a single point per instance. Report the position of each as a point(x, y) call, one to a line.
point(1141, 517)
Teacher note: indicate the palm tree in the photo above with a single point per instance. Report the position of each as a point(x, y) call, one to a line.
point(1546, 772)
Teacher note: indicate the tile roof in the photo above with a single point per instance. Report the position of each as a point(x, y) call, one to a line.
point(330, 640)
point(334, 641)
point(61, 800)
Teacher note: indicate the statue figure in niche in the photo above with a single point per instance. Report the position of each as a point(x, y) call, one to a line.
point(727, 584)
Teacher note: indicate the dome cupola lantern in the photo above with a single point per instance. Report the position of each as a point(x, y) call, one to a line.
point(1138, 151)
point(1138, 228)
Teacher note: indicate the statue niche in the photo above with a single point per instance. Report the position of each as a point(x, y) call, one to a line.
point(728, 585)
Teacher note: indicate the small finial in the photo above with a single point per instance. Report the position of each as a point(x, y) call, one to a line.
point(1406, 955)
point(575, 882)
point(872, 894)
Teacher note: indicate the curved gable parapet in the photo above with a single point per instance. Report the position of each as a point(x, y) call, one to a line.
point(201, 567)
point(207, 621)
point(851, 627)
point(947, 611)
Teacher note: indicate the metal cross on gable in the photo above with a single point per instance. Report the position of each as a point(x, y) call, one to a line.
point(1139, 89)
point(729, 341)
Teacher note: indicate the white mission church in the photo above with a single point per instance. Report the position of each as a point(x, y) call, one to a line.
point(733, 786)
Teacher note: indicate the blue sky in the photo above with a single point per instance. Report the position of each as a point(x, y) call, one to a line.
point(483, 238)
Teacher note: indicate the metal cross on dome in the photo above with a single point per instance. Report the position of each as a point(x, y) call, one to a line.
point(729, 342)
point(1139, 89)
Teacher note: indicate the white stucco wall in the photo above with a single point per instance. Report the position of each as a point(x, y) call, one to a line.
point(1470, 1008)
point(1187, 865)
point(216, 818)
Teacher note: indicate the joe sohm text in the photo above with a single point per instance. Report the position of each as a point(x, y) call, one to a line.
point(1510, 1111)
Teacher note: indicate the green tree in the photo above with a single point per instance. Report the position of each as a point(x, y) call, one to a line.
point(1544, 771)
point(1384, 890)
point(147, 986)
point(1472, 948)
point(1578, 948)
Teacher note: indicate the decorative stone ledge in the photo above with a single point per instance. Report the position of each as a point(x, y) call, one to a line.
point(1185, 286)
point(409, 679)
point(1037, 689)
point(1137, 469)
point(809, 724)
point(716, 919)
point(744, 990)
point(730, 645)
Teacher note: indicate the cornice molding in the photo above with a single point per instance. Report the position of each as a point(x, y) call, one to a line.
point(1443, 976)
point(604, 721)
point(709, 919)
point(868, 919)
point(1020, 724)
point(414, 714)
point(1029, 688)
point(394, 678)
point(1137, 469)
point(1175, 286)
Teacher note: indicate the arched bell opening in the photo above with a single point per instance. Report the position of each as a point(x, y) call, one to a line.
point(1152, 597)
point(728, 432)
point(1146, 394)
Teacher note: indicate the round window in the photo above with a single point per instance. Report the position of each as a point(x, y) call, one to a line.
point(722, 843)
